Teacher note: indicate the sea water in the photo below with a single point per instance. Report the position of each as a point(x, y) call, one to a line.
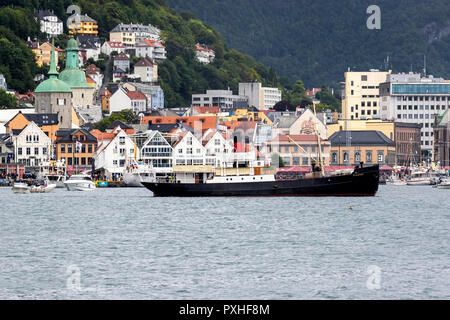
point(122, 243)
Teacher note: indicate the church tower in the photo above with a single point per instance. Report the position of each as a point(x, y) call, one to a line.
point(83, 93)
point(55, 96)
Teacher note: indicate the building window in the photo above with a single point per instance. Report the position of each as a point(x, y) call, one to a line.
point(89, 148)
point(380, 156)
point(69, 148)
point(334, 157)
point(36, 151)
point(357, 157)
point(296, 160)
point(369, 156)
point(346, 156)
point(63, 148)
point(28, 151)
point(363, 77)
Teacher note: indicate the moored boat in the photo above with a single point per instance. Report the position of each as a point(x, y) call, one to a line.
point(80, 182)
point(20, 187)
point(363, 181)
point(444, 184)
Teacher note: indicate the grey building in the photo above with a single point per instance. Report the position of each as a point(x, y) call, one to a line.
point(411, 98)
point(122, 61)
point(225, 99)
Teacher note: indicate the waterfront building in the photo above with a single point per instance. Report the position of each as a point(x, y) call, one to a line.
point(146, 69)
point(262, 98)
point(304, 124)
point(7, 152)
point(360, 95)
point(76, 147)
point(349, 148)
point(111, 46)
point(415, 99)
point(131, 34)
point(115, 150)
point(86, 26)
point(204, 54)
point(441, 135)
point(157, 151)
point(225, 99)
point(292, 155)
point(49, 22)
point(199, 123)
point(46, 121)
point(54, 96)
point(32, 145)
point(123, 99)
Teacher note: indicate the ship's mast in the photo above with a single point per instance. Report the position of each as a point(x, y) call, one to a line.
point(319, 144)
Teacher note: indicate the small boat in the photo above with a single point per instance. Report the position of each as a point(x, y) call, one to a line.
point(419, 178)
point(445, 184)
point(47, 188)
point(80, 182)
point(20, 187)
point(395, 180)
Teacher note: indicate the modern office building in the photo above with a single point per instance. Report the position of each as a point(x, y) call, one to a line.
point(262, 98)
point(412, 98)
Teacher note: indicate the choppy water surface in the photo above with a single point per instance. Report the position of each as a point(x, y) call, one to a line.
point(125, 244)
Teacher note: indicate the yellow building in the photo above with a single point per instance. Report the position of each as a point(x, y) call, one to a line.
point(349, 148)
point(386, 127)
point(44, 53)
point(87, 26)
point(250, 115)
point(361, 94)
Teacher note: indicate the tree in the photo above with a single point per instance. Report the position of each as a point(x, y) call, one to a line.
point(7, 101)
point(126, 116)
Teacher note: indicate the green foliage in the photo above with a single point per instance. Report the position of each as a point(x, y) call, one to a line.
point(317, 41)
point(126, 116)
point(326, 98)
point(17, 62)
point(180, 74)
point(7, 101)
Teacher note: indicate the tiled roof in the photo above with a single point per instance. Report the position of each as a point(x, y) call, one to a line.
point(370, 137)
point(297, 138)
point(207, 122)
point(120, 124)
point(145, 62)
point(207, 109)
point(135, 95)
point(92, 68)
point(66, 135)
point(121, 56)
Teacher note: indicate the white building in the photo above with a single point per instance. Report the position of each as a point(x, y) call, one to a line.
point(146, 69)
point(306, 123)
point(95, 74)
point(32, 145)
point(115, 150)
point(412, 98)
point(157, 152)
point(204, 54)
point(123, 99)
point(262, 98)
point(110, 46)
point(3, 85)
point(50, 23)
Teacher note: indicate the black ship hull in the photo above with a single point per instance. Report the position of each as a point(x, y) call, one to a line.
point(363, 182)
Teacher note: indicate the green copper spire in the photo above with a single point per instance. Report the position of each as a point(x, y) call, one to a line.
point(53, 72)
point(72, 75)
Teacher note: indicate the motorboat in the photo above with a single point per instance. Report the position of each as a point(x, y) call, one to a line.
point(80, 182)
point(445, 184)
point(46, 188)
point(54, 171)
point(20, 187)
